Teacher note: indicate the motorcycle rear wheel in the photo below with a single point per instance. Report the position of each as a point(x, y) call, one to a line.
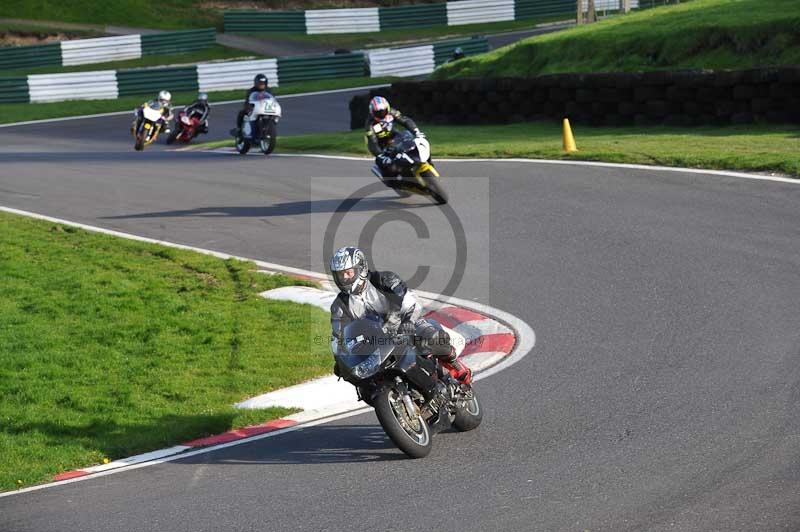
point(415, 440)
point(436, 191)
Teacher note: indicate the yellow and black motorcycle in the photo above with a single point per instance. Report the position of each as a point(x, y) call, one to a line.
point(406, 167)
point(145, 130)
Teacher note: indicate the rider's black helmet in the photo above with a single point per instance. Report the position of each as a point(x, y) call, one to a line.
point(259, 79)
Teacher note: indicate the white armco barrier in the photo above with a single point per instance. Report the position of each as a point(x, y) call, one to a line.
point(414, 61)
point(608, 5)
point(98, 85)
point(479, 11)
point(362, 20)
point(83, 51)
point(235, 75)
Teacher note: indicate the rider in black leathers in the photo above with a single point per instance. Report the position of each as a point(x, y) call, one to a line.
point(383, 295)
point(380, 143)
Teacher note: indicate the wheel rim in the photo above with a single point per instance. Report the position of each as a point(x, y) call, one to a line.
point(413, 425)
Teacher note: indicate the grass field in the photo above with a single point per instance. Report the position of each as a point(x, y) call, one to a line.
point(211, 53)
point(17, 112)
point(698, 34)
point(747, 148)
point(110, 347)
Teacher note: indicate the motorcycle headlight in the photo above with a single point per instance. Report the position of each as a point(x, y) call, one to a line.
point(369, 367)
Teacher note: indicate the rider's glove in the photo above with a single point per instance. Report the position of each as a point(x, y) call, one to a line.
point(407, 328)
point(383, 160)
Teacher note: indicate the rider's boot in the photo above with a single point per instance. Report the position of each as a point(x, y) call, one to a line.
point(457, 369)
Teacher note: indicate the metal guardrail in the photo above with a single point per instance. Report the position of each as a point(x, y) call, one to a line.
point(103, 49)
point(412, 16)
point(30, 56)
point(243, 21)
point(14, 90)
point(96, 85)
point(414, 61)
point(178, 42)
point(151, 80)
point(479, 11)
point(235, 74)
point(363, 20)
point(420, 60)
point(443, 51)
point(84, 51)
point(308, 68)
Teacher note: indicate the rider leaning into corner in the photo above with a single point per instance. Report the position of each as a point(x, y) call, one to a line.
point(380, 143)
point(260, 84)
point(384, 295)
point(200, 107)
point(164, 99)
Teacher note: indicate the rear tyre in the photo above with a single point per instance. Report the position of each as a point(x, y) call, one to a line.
point(469, 414)
point(437, 192)
point(414, 439)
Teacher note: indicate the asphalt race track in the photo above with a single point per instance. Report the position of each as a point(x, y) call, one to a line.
point(662, 393)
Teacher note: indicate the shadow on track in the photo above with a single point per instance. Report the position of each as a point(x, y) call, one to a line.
point(291, 208)
point(322, 444)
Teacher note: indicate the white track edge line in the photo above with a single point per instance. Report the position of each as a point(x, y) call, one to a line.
point(526, 340)
point(675, 169)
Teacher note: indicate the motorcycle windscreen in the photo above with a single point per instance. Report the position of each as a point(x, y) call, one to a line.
point(364, 339)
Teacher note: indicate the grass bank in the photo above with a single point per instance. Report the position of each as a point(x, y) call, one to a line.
point(17, 112)
point(110, 347)
point(745, 148)
point(699, 34)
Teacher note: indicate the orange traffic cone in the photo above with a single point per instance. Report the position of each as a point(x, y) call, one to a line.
point(569, 140)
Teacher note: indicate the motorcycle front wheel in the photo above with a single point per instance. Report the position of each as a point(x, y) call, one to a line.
point(139, 144)
point(270, 138)
point(173, 135)
point(242, 145)
point(468, 413)
point(408, 430)
point(434, 187)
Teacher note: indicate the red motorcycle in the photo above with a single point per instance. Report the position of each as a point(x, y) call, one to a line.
point(186, 128)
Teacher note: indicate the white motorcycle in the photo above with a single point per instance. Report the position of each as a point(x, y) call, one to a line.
point(260, 125)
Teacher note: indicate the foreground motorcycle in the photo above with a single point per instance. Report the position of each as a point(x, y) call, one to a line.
point(260, 125)
point(409, 169)
point(186, 128)
point(146, 130)
point(413, 395)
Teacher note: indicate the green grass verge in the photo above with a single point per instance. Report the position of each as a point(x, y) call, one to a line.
point(387, 37)
point(163, 14)
point(111, 347)
point(18, 112)
point(16, 27)
point(746, 148)
point(211, 53)
point(697, 34)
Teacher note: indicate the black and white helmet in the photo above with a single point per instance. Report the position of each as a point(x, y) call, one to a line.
point(350, 269)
